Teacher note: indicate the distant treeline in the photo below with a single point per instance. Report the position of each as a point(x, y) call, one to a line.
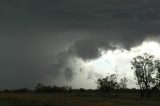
point(40, 88)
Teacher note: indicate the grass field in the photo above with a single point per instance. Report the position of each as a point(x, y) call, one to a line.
point(73, 100)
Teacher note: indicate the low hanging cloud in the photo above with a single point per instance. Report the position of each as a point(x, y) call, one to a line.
point(92, 75)
point(69, 74)
point(89, 48)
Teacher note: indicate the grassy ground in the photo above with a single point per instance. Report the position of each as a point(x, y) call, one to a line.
point(71, 100)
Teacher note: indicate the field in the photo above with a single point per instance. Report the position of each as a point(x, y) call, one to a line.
point(31, 99)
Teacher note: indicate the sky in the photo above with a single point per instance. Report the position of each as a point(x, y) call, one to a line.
point(74, 42)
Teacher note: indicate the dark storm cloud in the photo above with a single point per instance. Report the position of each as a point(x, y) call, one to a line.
point(89, 48)
point(32, 31)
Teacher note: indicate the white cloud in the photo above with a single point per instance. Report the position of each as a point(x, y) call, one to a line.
point(117, 61)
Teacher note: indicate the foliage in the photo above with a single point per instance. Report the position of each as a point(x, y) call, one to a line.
point(147, 73)
point(109, 83)
point(123, 83)
point(51, 89)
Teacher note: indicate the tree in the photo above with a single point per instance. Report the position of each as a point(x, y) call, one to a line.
point(123, 83)
point(147, 73)
point(108, 83)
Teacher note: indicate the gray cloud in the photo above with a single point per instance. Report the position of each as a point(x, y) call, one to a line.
point(85, 49)
point(59, 65)
point(69, 74)
point(34, 32)
point(92, 75)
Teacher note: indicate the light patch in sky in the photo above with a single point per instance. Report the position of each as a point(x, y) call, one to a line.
point(118, 61)
point(148, 47)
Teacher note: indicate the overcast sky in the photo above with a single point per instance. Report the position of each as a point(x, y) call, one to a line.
point(71, 42)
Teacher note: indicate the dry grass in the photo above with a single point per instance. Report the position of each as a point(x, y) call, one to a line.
point(64, 100)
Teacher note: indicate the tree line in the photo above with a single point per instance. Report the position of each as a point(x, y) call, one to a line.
point(147, 74)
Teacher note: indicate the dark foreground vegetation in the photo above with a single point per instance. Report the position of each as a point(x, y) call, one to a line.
point(76, 99)
point(66, 96)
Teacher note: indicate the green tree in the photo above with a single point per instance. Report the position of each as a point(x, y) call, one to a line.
point(123, 83)
point(147, 73)
point(108, 84)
